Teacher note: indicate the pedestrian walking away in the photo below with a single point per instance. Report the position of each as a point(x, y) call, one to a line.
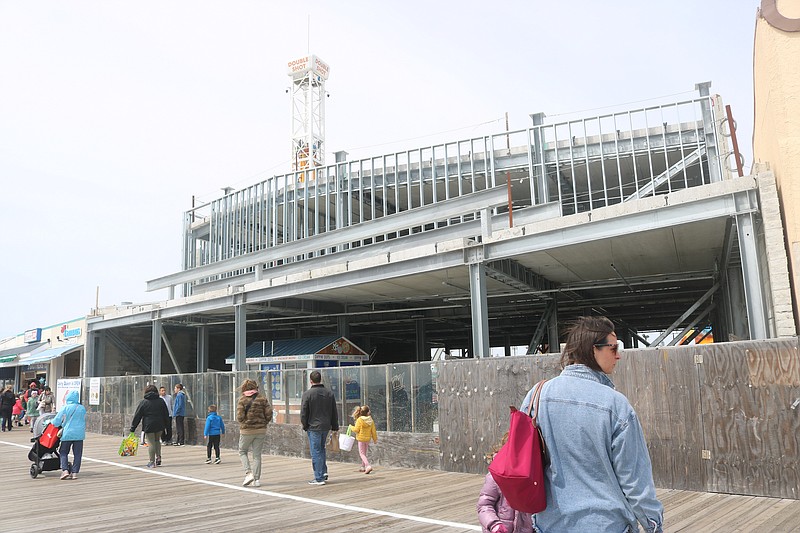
point(213, 430)
point(179, 412)
point(254, 413)
point(152, 413)
point(318, 416)
point(72, 419)
point(365, 431)
point(7, 401)
point(600, 477)
point(166, 437)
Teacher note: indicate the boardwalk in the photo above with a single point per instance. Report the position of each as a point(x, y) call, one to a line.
point(118, 494)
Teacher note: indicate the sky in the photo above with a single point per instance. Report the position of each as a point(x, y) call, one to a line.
point(115, 114)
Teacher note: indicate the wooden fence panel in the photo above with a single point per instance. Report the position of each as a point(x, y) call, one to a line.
point(662, 385)
point(474, 400)
point(751, 432)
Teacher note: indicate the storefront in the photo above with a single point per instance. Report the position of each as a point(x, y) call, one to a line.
point(43, 355)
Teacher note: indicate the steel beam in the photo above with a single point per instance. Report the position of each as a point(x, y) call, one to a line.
point(416, 217)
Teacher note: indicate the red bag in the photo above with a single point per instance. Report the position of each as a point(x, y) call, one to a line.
point(518, 467)
point(49, 436)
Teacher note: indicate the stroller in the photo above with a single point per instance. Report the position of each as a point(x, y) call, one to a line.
point(44, 459)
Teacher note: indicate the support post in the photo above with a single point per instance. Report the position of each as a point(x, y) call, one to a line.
point(155, 347)
point(753, 286)
point(419, 326)
point(552, 329)
point(240, 338)
point(202, 349)
point(479, 310)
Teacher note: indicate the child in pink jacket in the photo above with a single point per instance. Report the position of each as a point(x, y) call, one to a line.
point(496, 516)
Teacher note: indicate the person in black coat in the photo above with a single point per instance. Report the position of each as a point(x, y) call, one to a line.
point(153, 414)
point(7, 401)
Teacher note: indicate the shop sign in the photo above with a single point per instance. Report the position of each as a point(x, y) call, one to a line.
point(70, 333)
point(33, 335)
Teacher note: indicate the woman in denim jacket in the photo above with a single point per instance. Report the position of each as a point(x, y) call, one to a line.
point(600, 477)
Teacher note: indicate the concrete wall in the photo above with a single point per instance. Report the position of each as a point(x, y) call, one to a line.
point(776, 134)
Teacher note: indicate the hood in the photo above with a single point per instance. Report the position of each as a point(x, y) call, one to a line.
point(367, 420)
point(152, 395)
point(72, 397)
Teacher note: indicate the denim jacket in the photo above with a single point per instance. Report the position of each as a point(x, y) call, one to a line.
point(600, 477)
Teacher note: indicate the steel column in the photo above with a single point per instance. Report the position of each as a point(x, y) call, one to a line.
point(240, 338)
point(155, 347)
point(479, 310)
point(202, 349)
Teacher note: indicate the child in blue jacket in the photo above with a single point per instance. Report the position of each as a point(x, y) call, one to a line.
point(215, 427)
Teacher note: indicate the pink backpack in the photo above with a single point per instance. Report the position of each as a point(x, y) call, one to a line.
point(518, 467)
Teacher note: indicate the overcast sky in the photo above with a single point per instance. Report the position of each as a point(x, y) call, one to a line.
point(113, 114)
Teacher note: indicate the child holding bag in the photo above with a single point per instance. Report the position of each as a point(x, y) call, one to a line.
point(365, 431)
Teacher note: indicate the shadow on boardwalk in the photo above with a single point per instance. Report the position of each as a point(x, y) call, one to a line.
point(116, 493)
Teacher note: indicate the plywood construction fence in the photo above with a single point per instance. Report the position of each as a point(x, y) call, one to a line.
point(717, 417)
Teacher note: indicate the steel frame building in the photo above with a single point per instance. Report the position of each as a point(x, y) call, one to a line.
point(495, 241)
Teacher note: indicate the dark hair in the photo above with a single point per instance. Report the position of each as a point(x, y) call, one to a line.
point(47, 389)
point(150, 388)
point(582, 335)
point(316, 377)
point(179, 385)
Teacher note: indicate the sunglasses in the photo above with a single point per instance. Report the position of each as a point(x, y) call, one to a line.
point(613, 345)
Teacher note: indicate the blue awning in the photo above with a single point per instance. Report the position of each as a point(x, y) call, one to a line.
point(52, 353)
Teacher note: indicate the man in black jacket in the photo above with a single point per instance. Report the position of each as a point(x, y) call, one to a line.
point(319, 415)
point(152, 413)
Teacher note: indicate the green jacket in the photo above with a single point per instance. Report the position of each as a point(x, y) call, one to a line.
point(33, 406)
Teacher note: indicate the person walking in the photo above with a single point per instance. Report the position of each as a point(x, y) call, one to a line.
point(254, 413)
point(600, 477)
point(318, 415)
point(213, 431)
point(72, 418)
point(166, 437)
point(152, 413)
point(179, 412)
point(365, 431)
point(7, 401)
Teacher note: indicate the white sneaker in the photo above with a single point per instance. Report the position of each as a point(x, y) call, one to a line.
point(248, 478)
point(256, 483)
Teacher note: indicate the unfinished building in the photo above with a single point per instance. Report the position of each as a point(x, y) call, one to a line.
point(480, 243)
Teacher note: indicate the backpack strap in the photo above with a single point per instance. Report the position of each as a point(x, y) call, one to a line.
point(537, 391)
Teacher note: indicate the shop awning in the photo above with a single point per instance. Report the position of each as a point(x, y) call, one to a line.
point(47, 355)
point(9, 356)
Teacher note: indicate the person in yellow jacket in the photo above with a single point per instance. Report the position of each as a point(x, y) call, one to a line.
point(365, 431)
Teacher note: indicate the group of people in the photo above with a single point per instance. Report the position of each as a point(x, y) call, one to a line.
point(26, 407)
point(600, 477)
point(318, 416)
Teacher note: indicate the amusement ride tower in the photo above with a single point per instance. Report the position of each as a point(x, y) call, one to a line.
point(308, 113)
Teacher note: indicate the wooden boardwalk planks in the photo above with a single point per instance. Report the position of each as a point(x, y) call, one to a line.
point(115, 493)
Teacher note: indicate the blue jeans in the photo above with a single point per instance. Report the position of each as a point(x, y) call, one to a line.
point(316, 443)
point(77, 453)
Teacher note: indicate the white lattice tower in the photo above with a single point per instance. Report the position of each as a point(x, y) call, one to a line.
point(308, 113)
